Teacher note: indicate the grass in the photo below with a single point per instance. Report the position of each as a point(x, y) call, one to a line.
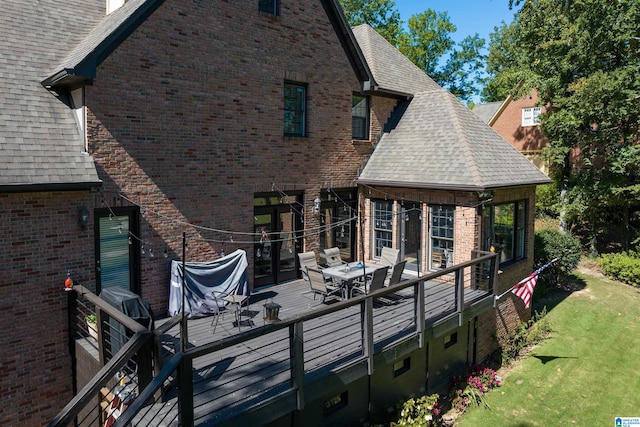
point(588, 371)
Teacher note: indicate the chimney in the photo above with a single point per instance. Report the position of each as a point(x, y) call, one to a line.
point(114, 5)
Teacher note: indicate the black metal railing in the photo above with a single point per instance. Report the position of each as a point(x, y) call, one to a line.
point(275, 362)
point(114, 351)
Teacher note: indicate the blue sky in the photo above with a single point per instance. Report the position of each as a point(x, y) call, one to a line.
point(469, 16)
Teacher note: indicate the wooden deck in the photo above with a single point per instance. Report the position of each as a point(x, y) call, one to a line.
point(266, 366)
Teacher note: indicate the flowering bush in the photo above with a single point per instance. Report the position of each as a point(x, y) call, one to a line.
point(471, 388)
point(421, 412)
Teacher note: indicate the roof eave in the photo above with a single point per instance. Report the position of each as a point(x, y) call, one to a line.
point(349, 44)
point(49, 187)
point(86, 68)
point(449, 187)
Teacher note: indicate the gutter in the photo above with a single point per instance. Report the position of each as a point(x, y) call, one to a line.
point(49, 187)
point(446, 187)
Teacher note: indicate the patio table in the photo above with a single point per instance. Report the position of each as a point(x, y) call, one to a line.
point(348, 273)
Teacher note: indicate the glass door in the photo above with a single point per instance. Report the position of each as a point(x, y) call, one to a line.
point(338, 221)
point(117, 253)
point(275, 223)
point(442, 221)
point(287, 244)
point(263, 264)
point(410, 235)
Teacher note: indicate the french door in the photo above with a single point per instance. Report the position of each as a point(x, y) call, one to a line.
point(410, 222)
point(117, 249)
point(276, 244)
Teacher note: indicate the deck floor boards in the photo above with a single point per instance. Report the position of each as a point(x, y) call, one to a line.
point(259, 368)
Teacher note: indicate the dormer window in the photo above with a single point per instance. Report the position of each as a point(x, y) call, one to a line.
point(268, 6)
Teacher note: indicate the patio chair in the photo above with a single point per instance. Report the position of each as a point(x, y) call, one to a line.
point(396, 273)
point(319, 285)
point(229, 302)
point(389, 256)
point(332, 256)
point(307, 259)
point(375, 282)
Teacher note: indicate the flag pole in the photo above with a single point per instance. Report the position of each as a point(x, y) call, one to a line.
point(496, 298)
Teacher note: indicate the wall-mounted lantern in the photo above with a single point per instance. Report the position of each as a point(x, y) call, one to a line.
point(316, 206)
point(83, 217)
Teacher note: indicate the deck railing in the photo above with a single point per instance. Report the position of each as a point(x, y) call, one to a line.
point(276, 362)
point(112, 344)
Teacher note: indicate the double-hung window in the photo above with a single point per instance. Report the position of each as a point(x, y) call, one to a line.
point(531, 116)
point(382, 226)
point(360, 117)
point(295, 106)
point(504, 229)
point(268, 6)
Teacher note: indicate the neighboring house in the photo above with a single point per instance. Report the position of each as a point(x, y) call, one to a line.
point(517, 121)
point(225, 121)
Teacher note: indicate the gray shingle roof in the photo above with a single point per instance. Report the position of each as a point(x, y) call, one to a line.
point(487, 111)
point(39, 140)
point(391, 70)
point(439, 143)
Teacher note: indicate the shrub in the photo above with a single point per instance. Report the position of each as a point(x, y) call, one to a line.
point(421, 412)
point(624, 267)
point(470, 389)
point(524, 335)
point(550, 244)
point(548, 201)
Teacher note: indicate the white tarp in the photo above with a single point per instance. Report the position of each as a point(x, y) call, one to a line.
point(227, 275)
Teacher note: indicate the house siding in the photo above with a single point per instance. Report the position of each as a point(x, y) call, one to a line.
point(467, 231)
point(186, 120)
point(529, 140)
point(43, 241)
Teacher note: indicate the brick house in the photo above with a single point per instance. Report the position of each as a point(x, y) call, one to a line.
point(517, 121)
point(124, 128)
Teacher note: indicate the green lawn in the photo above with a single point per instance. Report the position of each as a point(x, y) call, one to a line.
point(588, 371)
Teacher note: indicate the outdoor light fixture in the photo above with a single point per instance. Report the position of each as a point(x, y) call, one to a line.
point(83, 217)
point(316, 205)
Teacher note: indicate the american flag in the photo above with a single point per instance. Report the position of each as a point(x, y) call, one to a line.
point(524, 288)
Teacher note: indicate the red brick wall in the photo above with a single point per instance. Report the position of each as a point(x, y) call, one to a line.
point(186, 119)
point(40, 240)
point(510, 309)
point(509, 126)
point(467, 230)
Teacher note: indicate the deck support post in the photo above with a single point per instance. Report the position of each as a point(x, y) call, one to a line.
point(459, 281)
point(419, 303)
point(367, 332)
point(185, 391)
point(296, 340)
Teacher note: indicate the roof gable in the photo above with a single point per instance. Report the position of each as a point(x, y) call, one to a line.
point(392, 72)
point(41, 147)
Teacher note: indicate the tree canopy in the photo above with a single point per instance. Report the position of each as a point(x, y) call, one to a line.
point(427, 43)
point(583, 57)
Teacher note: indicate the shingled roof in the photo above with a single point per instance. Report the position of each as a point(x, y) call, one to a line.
point(487, 111)
point(40, 146)
point(440, 144)
point(392, 72)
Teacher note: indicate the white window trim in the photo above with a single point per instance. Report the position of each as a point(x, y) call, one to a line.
point(531, 116)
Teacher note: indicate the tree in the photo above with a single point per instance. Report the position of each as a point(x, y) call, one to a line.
point(427, 43)
point(583, 57)
point(381, 15)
